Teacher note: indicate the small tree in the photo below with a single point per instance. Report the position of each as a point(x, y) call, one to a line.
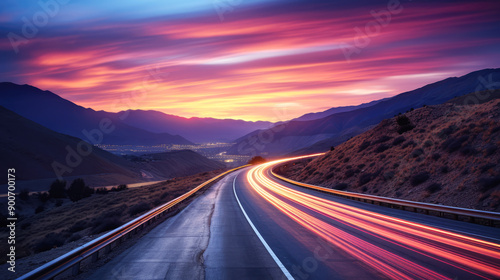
point(332, 148)
point(24, 194)
point(78, 190)
point(257, 160)
point(58, 189)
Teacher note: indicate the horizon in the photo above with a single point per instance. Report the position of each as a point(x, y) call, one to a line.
point(253, 61)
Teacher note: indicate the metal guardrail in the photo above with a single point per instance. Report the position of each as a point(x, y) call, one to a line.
point(73, 259)
point(475, 216)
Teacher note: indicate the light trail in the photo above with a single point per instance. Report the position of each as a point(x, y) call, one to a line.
point(472, 255)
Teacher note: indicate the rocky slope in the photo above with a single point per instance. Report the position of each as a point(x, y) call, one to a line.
point(446, 154)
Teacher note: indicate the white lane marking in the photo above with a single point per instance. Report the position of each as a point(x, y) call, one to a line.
point(269, 250)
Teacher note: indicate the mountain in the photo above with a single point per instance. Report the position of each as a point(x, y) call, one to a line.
point(33, 149)
point(38, 153)
point(447, 153)
point(63, 116)
point(335, 110)
point(198, 130)
point(335, 129)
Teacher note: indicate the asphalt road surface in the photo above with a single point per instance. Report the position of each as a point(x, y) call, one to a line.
point(252, 226)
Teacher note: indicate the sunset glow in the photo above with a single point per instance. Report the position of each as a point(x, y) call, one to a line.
point(191, 60)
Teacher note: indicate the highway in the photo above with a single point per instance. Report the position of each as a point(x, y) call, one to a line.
point(253, 226)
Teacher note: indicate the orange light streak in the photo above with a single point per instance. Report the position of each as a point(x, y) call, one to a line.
point(467, 253)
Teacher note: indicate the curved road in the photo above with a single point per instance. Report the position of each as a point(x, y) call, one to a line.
point(252, 226)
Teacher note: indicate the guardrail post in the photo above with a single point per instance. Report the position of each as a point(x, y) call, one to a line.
point(75, 270)
point(95, 257)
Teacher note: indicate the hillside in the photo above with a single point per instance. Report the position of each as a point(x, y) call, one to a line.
point(63, 116)
point(336, 128)
point(449, 155)
point(31, 149)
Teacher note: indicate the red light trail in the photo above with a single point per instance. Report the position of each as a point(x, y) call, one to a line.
point(473, 255)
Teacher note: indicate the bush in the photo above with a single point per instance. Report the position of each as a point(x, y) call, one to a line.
point(447, 131)
point(488, 183)
point(389, 175)
point(419, 178)
point(74, 237)
point(58, 189)
point(428, 143)
point(409, 143)
point(364, 145)
point(43, 197)
point(39, 209)
point(79, 190)
point(257, 160)
point(398, 140)
point(349, 173)
point(119, 188)
point(436, 156)
point(78, 226)
point(101, 191)
point(59, 202)
point(434, 187)
point(24, 194)
point(381, 148)
point(341, 186)
point(468, 149)
point(416, 153)
point(452, 145)
point(487, 167)
point(105, 224)
point(51, 240)
point(404, 123)
point(365, 178)
point(445, 169)
point(138, 208)
point(382, 139)
point(490, 150)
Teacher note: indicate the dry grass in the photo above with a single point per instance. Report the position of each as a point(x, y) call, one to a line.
point(451, 146)
point(56, 226)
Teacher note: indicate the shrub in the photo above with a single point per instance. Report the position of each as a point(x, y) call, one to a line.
point(445, 169)
point(360, 166)
point(428, 143)
point(487, 167)
point(43, 197)
point(382, 139)
point(329, 176)
point(468, 149)
point(404, 123)
point(416, 153)
point(59, 202)
point(488, 183)
point(349, 173)
point(105, 224)
point(419, 178)
point(444, 133)
point(347, 159)
point(490, 150)
point(51, 240)
point(138, 208)
point(101, 191)
point(436, 156)
point(389, 175)
point(452, 145)
point(341, 186)
point(434, 187)
point(364, 145)
point(398, 140)
point(24, 194)
point(409, 143)
point(78, 190)
point(78, 226)
point(39, 209)
point(381, 148)
point(58, 189)
point(74, 237)
point(365, 178)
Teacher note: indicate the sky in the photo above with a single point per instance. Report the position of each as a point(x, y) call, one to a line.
point(243, 59)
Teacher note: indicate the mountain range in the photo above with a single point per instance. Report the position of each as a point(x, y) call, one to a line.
point(300, 137)
point(133, 127)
